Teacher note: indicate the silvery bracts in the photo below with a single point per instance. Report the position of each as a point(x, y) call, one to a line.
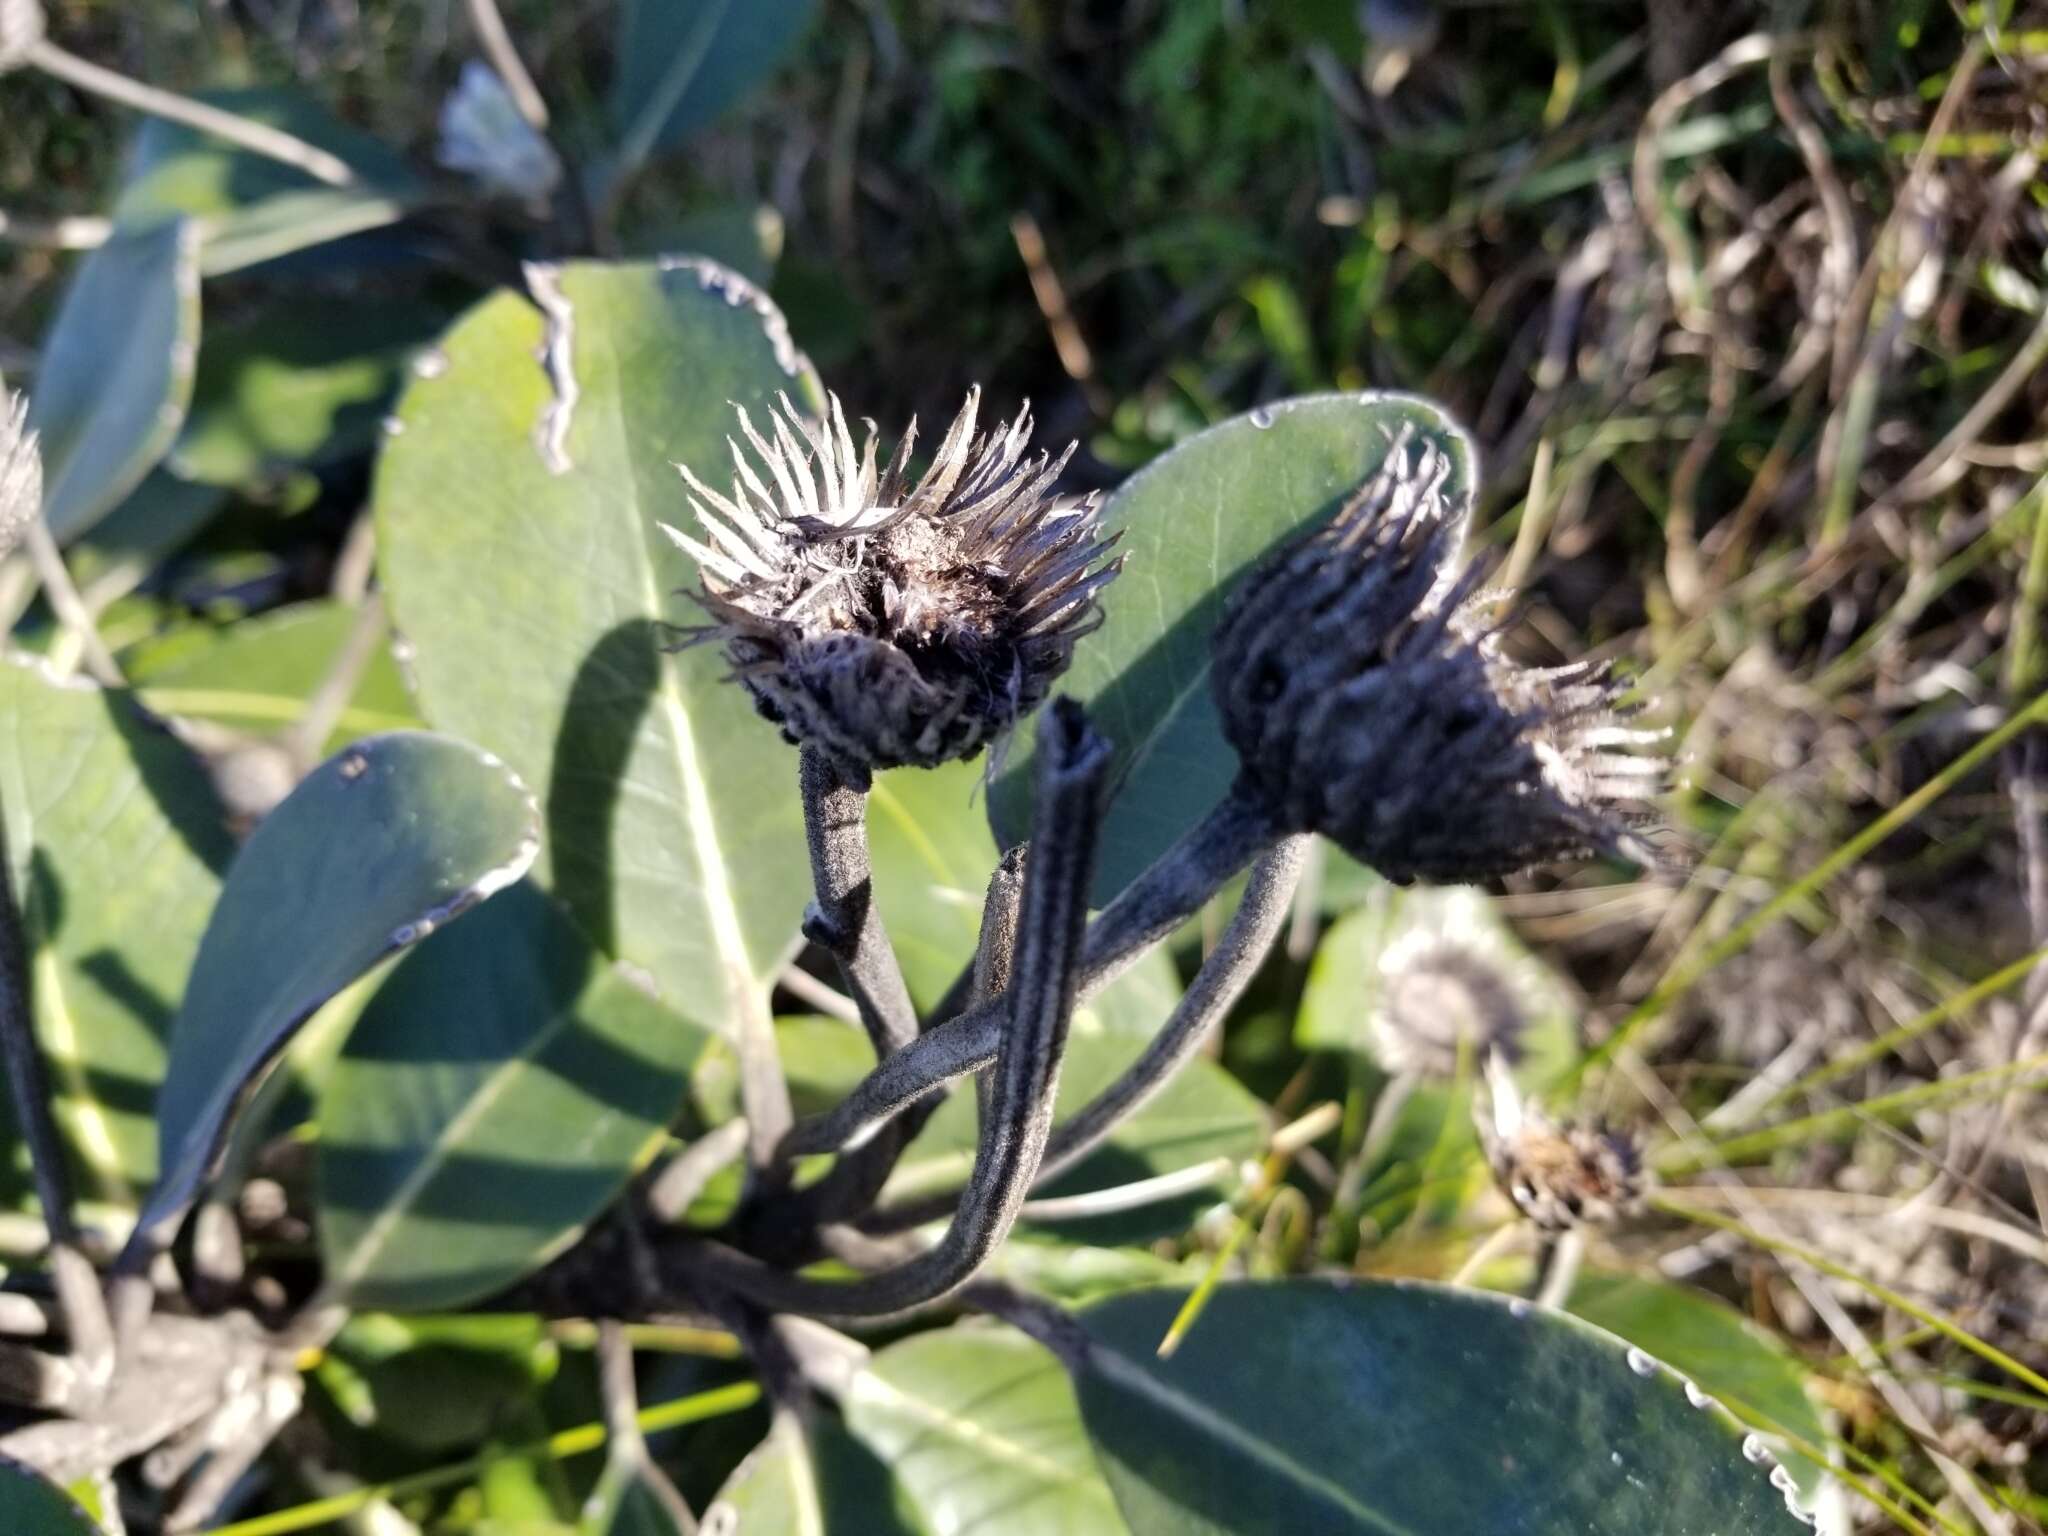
point(1044, 988)
point(844, 919)
point(1152, 907)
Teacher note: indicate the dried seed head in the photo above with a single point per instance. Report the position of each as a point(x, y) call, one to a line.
point(1364, 688)
point(1559, 1174)
point(1438, 996)
point(21, 28)
point(886, 622)
point(21, 473)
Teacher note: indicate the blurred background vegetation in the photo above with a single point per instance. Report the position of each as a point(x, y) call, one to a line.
point(1744, 304)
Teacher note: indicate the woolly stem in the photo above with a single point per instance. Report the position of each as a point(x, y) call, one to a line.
point(1240, 952)
point(844, 919)
point(1073, 761)
point(1158, 902)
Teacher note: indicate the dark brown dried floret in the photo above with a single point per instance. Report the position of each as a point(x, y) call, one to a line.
point(1559, 1174)
point(1365, 691)
point(885, 622)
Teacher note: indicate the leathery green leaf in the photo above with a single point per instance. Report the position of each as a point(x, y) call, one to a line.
point(1406, 1410)
point(1194, 521)
point(518, 510)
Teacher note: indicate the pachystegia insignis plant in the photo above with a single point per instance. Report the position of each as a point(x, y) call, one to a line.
point(669, 705)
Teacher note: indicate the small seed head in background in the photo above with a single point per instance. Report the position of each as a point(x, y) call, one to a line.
point(1438, 996)
point(885, 622)
point(21, 473)
point(22, 25)
point(1559, 1174)
point(1363, 686)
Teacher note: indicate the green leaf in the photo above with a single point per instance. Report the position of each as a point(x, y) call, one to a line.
point(1753, 1374)
point(257, 674)
point(496, 1094)
point(535, 603)
point(29, 1506)
point(932, 854)
point(978, 1425)
point(296, 385)
point(1193, 521)
point(116, 372)
point(117, 554)
point(682, 62)
point(1395, 1408)
point(437, 1384)
point(376, 848)
point(114, 838)
point(774, 1489)
point(248, 207)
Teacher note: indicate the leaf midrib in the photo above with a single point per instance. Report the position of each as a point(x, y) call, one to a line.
point(707, 852)
point(1202, 1420)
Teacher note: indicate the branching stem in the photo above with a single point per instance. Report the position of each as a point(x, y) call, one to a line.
point(1159, 901)
point(1224, 975)
point(1073, 761)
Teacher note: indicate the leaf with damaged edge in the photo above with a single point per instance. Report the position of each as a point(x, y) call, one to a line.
point(979, 1427)
point(116, 374)
point(115, 840)
point(375, 849)
point(444, 1173)
point(1394, 1409)
point(1193, 521)
point(536, 600)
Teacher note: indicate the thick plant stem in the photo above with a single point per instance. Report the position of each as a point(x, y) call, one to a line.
point(1226, 972)
point(1217, 986)
point(1159, 901)
point(1073, 760)
point(764, 1090)
point(850, 1190)
point(1224, 975)
point(844, 919)
point(1177, 885)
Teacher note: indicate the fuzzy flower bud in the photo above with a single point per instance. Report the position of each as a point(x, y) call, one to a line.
point(1364, 689)
point(885, 622)
point(1559, 1174)
point(21, 473)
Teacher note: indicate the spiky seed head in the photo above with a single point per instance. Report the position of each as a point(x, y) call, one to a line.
point(1560, 1174)
point(1438, 997)
point(21, 473)
point(1361, 680)
point(885, 621)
